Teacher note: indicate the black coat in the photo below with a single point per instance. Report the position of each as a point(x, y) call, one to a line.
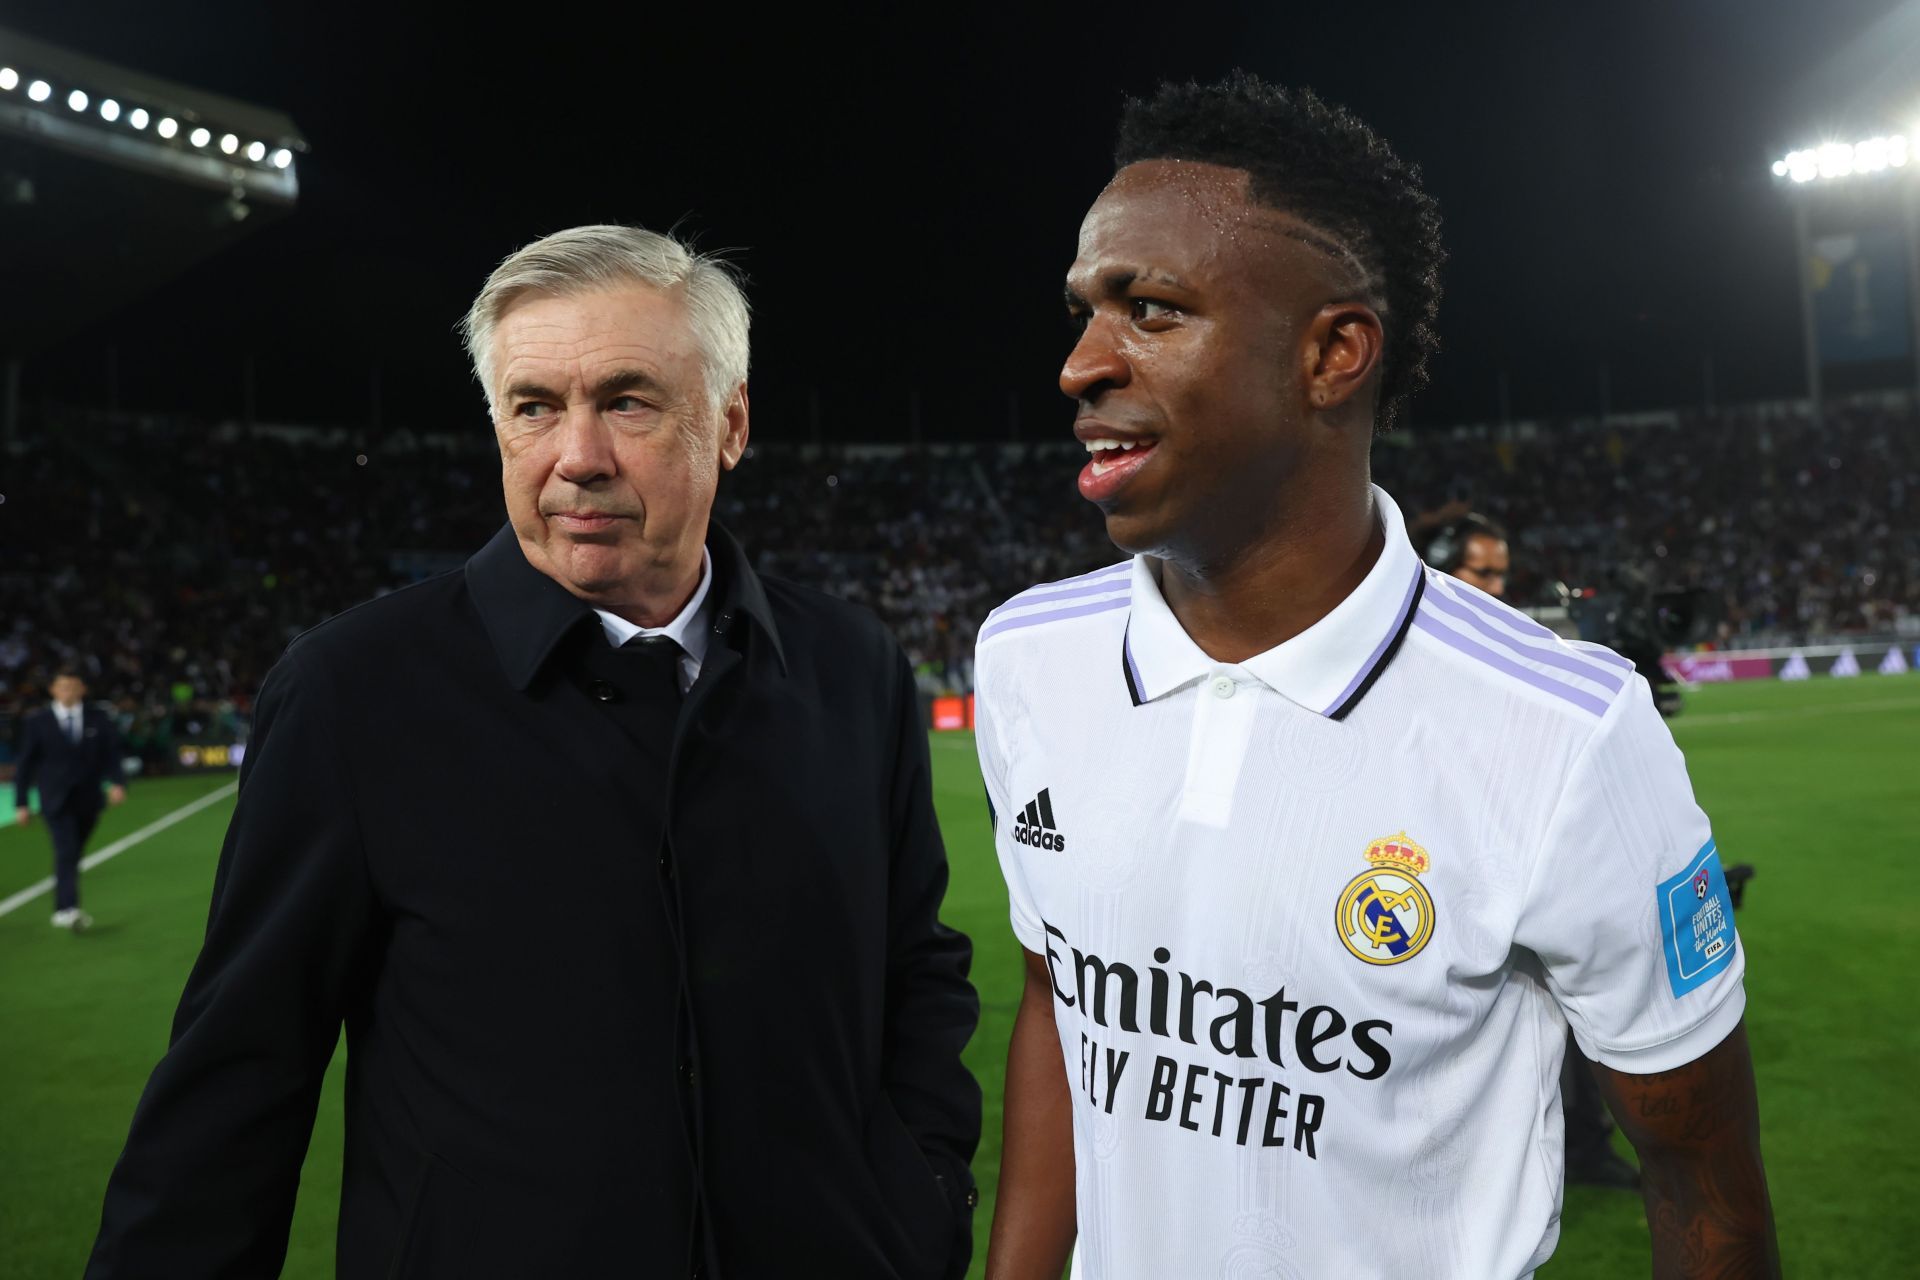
point(67, 774)
point(616, 1004)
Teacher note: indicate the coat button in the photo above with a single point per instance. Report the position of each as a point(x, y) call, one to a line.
point(666, 866)
point(973, 1197)
point(686, 1071)
point(600, 691)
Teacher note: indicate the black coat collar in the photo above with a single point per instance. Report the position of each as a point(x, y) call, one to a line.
point(526, 613)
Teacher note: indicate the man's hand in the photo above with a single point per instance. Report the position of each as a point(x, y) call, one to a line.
point(22, 815)
point(116, 794)
point(1697, 1129)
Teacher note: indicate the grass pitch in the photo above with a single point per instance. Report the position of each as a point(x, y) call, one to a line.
point(1812, 783)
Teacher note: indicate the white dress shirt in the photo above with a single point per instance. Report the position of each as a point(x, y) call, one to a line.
point(688, 629)
point(72, 721)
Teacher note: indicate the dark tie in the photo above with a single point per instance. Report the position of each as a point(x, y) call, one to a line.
point(656, 660)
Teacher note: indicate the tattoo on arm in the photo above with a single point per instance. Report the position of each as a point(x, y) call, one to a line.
point(1697, 1129)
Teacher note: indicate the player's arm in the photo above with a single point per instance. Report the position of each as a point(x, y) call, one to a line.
point(1630, 913)
point(115, 771)
point(206, 1183)
point(932, 1009)
point(1033, 1214)
point(1697, 1129)
point(26, 771)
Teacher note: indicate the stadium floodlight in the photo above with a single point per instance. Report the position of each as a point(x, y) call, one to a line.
point(1834, 160)
point(167, 127)
point(256, 151)
point(39, 91)
point(229, 143)
point(200, 137)
point(109, 110)
point(282, 158)
point(137, 117)
point(9, 79)
point(77, 101)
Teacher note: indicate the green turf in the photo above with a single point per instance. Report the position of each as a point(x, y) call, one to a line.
point(1811, 783)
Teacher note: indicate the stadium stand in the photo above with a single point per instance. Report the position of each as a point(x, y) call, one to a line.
point(174, 560)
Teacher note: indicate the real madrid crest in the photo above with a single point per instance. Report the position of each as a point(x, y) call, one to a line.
point(1385, 914)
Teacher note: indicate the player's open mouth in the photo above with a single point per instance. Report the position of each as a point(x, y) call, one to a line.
point(1114, 462)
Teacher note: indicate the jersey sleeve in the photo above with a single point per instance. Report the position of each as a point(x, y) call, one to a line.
point(1628, 908)
point(990, 710)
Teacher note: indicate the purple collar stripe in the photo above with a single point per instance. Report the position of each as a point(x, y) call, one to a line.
point(1521, 622)
point(996, 626)
point(1446, 602)
point(1382, 653)
point(1525, 675)
point(1136, 687)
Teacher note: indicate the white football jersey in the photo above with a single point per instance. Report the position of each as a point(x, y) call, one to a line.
point(1317, 921)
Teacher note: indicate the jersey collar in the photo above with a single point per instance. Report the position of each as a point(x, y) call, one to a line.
point(1327, 668)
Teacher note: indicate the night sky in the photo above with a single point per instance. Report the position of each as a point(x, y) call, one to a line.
point(904, 190)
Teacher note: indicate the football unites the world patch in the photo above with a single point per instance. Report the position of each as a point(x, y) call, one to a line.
point(1696, 921)
point(1385, 915)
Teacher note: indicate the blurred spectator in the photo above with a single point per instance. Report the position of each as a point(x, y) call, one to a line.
point(172, 561)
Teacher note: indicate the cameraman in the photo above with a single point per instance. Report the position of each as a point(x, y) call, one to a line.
point(1474, 549)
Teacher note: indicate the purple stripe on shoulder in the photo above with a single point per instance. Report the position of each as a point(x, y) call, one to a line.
point(1366, 668)
point(1601, 654)
point(1493, 609)
point(1448, 603)
point(1525, 675)
point(994, 628)
point(1060, 591)
point(1520, 621)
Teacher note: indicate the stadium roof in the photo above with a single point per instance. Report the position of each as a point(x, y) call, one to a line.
point(113, 181)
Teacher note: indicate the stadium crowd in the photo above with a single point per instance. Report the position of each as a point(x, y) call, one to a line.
point(173, 561)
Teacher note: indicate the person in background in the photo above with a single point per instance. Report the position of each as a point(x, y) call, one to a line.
point(67, 751)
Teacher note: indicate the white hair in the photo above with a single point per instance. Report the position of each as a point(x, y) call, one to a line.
point(583, 259)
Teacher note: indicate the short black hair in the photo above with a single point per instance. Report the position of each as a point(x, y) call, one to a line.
point(1445, 548)
point(68, 672)
point(1323, 165)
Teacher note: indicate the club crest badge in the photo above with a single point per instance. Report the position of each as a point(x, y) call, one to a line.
point(1385, 914)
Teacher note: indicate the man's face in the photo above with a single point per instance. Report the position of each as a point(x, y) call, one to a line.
point(1484, 563)
point(1197, 304)
point(609, 446)
point(68, 691)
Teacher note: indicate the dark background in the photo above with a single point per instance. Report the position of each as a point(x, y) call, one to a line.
point(904, 188)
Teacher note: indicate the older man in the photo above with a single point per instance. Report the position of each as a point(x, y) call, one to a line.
point(617, 861)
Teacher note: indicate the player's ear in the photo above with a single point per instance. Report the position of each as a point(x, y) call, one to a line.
point(734, 429)
point(1342, 351)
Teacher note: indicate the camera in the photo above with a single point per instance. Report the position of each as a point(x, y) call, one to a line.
point(1640, 622)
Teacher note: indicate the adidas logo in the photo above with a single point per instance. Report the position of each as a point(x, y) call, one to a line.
point(1034, 826)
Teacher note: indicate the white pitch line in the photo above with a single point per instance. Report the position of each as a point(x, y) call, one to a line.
point(121, 845)
point(1794, 713)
